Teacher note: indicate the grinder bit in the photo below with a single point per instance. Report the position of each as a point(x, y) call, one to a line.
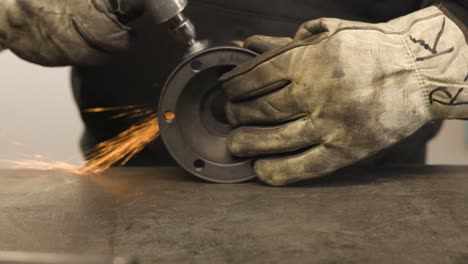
point(171, 12)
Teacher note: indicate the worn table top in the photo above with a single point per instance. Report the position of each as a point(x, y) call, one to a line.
point(397, 215)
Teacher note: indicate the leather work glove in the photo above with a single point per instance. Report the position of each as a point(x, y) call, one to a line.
point(342, 91)
point(66, 32)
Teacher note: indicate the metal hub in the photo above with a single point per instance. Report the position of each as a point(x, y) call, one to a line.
point(193, 124)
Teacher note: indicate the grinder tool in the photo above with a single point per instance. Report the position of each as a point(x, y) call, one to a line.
point(191, 112)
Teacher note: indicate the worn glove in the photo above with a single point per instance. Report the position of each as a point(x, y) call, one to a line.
point(66, 32)
point(343, 91)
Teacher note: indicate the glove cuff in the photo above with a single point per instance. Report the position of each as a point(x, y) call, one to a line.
point(4, 25)
point(439, 49)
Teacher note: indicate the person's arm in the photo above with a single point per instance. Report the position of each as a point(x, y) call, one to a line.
point(66, 32)
point(342, 91)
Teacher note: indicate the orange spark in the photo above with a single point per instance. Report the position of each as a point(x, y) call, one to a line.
point(108, 109)
point(116, 151)
point(42, 164)
point(114, 186)
point(120, 149)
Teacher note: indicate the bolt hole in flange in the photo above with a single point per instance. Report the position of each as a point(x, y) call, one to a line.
point(199, 164)
point(193, 95)
point(196, 65)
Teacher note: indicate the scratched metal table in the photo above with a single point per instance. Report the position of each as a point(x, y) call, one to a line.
point(163, 215)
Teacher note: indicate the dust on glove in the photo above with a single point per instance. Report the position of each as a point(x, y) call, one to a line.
point(66, 32)
point(342, 91)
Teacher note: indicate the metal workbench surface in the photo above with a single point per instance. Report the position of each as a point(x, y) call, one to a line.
point(394, 215)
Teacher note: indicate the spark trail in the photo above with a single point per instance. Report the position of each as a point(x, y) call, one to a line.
point(116, 151)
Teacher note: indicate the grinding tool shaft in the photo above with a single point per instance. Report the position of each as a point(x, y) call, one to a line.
point(171, 13)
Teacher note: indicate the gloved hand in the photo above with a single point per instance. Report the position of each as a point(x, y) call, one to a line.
point(66, 32)
point(343, 91)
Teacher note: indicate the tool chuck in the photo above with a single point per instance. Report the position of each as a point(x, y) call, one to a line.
point(171, 12)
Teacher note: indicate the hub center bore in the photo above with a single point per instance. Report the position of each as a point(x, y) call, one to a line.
point(218, 107)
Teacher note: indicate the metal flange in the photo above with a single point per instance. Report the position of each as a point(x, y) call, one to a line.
point(192, 118)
